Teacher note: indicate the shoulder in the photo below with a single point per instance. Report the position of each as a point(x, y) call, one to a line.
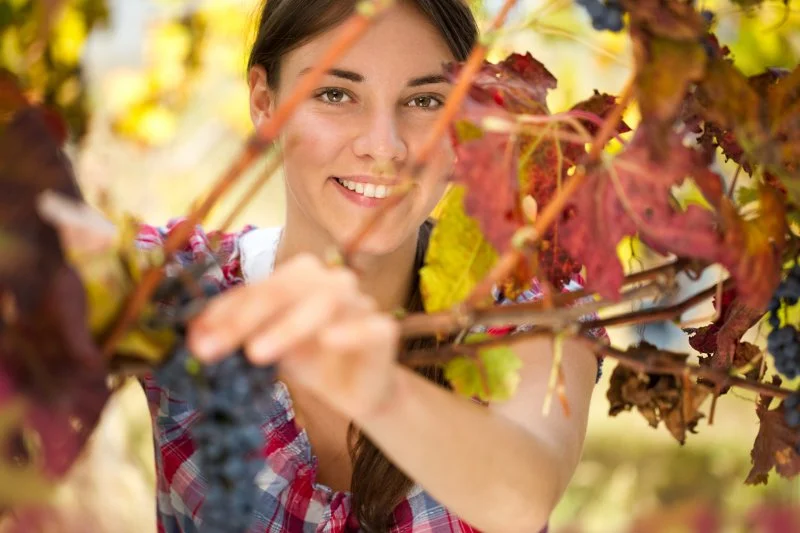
point(237, 256)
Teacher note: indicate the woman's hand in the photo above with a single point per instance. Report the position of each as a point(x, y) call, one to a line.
point(314, 321)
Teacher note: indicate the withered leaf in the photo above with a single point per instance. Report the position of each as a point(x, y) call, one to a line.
point(776, 443)
point(721, 339)
point(657, 397)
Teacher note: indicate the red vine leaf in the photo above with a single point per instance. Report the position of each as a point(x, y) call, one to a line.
point(486, 166)
point(632, 197)
point(658, 397)
point(487, 160)
point(518, 84)
point(775, 445)
point(543, 169)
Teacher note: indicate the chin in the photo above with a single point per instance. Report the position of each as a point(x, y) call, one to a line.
point(377, 243)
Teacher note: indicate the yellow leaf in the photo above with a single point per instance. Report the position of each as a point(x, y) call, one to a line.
point(458, 256)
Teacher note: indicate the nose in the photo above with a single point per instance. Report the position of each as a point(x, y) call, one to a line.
point(380, 139)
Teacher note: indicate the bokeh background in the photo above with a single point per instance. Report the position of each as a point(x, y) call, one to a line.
point(168, 111)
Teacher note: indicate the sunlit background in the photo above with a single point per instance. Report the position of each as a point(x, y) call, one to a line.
point(169, 111)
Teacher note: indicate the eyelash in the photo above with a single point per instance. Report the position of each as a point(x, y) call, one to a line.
point(326, 91)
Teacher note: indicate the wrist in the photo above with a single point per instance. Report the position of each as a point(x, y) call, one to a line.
point(390, 397)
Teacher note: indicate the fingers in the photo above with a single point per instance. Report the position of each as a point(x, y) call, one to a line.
point(301, 322)
point(275, 313)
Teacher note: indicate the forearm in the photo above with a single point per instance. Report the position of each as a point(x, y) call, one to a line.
point(489, 471)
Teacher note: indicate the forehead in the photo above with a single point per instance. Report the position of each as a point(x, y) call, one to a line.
point(401, 44)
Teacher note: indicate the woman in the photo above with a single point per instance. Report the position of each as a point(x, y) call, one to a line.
point(496, 468)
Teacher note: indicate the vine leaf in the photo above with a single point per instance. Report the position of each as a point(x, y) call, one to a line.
point(501, 169)
point(487, 160)
point(632, 196)
point(543, 169)
point(776, 443)
point(657, 397)
point(485, 168)
point(636, 186)
point(752, 119)
point(458, 255)
point(492, 375)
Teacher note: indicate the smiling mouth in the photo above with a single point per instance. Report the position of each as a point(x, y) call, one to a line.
point(368, 190)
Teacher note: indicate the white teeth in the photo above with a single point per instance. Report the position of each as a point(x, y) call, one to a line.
point(370, 190)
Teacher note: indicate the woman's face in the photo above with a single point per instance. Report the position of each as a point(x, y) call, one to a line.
point(368, 116)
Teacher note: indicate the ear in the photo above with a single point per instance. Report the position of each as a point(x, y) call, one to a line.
point(261, 97)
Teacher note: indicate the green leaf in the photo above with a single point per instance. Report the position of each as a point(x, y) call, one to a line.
point(493, 376)
point(458, 256)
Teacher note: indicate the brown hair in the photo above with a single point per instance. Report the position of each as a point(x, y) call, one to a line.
point(378, 486)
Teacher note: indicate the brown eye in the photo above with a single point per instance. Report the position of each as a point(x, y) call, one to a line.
point(333, 96)
point(426, 102)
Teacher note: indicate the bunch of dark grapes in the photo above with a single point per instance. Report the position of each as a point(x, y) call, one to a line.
point(605, 15)
point(231, 397)
point(783, 342)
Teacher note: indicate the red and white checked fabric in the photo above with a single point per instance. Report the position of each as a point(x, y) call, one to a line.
point(290, 500)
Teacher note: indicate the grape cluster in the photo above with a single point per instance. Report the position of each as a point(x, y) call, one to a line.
point(231, 397)
point(783, 342)
point(605, 14)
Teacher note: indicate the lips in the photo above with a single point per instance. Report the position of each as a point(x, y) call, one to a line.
point(366, 189)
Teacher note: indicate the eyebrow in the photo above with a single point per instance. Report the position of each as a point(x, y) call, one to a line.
point(356, 77)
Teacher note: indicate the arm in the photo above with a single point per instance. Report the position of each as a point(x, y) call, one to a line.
point(502, 469)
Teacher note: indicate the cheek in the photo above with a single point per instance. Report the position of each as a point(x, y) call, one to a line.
point(309, 142)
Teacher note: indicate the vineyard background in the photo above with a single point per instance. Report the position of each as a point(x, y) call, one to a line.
point(168, 109)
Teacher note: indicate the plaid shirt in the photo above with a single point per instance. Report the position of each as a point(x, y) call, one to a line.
point(290, 500)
